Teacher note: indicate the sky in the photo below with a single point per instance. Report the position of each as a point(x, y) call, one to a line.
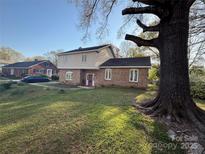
point(35, 27)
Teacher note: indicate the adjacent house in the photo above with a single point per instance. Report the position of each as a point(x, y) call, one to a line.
point(101, 66)
point(20, 69)
point(2, 63)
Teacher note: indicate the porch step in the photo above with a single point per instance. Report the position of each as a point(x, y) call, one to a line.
point(85, 87)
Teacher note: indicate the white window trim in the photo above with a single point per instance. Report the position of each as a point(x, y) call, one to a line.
point(93, 79)
point(84, 58)
point(108, 70)
point(134, 75)
point(71, 75)
point(12, 71)
point(49, 74)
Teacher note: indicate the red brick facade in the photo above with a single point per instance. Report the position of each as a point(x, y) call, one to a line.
point(18, 72)
point(120, 77)
point(76, 77)
point(38, 69)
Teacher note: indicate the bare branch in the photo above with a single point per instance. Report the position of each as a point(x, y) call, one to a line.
point(148, 9)
point(148, 28)
point(150, 2)
point(141, 42)
point(190, 2)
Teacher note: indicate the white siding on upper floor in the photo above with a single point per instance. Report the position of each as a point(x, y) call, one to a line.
point(103, 56)
point(74, 61)
point(93, 59)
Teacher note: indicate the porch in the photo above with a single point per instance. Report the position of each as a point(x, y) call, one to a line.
point(88, 78)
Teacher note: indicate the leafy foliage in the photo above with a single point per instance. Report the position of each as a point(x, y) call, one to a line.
point(55, 77)
point(198, 89)
point(197, 79)
point(154, 73)
point(5, 86)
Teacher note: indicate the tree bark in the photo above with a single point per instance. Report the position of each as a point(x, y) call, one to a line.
point(174, 101)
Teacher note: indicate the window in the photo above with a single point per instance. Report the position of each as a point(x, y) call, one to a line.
point(133, 76)
point(69, 76)
point(108, 74)
point(84, 58)
point(12, 72)
point(39, 71)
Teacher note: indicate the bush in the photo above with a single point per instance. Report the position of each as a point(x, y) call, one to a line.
point(42, 75)
point(55, 77)
point(5, 86)
point(61, 91)
point(198, 89)
point(154, 73)
point(21, 84)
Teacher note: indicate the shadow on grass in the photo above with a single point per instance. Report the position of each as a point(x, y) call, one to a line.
point(92, 121)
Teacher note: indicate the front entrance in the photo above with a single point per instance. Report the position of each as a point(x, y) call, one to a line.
point(12, 71)
point(49, 72)
point(90, 80)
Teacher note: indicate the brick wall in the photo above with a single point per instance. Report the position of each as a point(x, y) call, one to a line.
point(120, 77)
point(20, 72)
point(17, 72)
point(41, 67)
point(76, 77)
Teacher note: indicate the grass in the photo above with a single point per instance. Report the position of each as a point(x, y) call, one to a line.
point(200, 103)
point(151, 93)
point(3, 80)
point(37, 120)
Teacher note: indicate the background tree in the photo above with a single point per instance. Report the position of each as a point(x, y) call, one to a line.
point(35, 58)
point(129, 50)
point(52, 56)
point(10, 55)
point(174, 102)
point(196, 52)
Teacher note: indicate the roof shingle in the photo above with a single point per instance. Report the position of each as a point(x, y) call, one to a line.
point(24, 64)
point(117, 62)
point(86, 49)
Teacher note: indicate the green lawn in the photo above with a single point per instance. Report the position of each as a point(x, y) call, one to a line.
point(3, 80)
point(37, 120)
point(151, 93)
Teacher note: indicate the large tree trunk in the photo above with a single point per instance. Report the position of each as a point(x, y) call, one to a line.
point(174, 77)
point(173, 102)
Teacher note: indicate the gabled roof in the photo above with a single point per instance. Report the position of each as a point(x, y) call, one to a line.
point(24, 64)
point(125, 62)
point(86, 49)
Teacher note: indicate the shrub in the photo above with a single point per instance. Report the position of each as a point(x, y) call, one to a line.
point(198, 89)
point(55, 77)
point(21, 84)
point(42, 75)
point(61, 91)
point(5, 86)
point(154, 73)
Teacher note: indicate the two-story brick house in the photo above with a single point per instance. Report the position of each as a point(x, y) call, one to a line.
point(101, 66)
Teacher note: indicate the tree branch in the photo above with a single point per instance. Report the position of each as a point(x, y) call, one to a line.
point(190, 2)
point(148, 9)
point(148, 28)
point(150, 2)
point(141, 42)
